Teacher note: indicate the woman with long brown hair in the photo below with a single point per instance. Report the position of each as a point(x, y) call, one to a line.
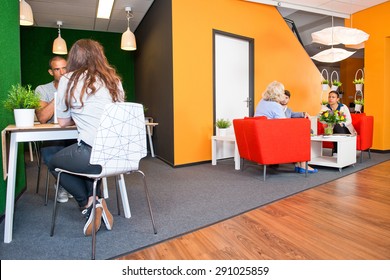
point(83, 92)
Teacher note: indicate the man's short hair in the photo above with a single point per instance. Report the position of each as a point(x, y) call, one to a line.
point(55, 58)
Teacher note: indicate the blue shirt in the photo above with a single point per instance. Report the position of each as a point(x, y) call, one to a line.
point(270, 109)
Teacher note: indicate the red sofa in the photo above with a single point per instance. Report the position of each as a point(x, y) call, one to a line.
point(364, 126)
point(273, 141)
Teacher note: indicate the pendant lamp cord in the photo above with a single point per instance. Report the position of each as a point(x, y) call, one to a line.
point(129, 15)
point(332, 32)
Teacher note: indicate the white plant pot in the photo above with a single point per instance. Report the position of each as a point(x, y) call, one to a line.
point(325, 87)
point(359, 87)
point(24, 117)
point(222, 131)
point(358, 108)
point(334, 88)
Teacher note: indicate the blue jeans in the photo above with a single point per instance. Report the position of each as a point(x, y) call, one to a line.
point(75, 158)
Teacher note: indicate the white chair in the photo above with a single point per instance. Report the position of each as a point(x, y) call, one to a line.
point(119, 146)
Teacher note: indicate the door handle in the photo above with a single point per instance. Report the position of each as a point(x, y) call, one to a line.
point(248, 102)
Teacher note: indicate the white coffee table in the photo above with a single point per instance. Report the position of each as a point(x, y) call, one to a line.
point(228, 138)
point(346, 151)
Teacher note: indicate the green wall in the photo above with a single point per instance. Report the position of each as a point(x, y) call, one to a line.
point(36, 50)
point(9, 75)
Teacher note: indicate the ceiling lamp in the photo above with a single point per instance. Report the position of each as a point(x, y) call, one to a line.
point(59, 44)
point(332, 55)
point(104, 9)
point(25, 14)
point(339, 35)
point(128, 39)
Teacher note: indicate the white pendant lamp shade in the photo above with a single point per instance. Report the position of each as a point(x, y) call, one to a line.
point(332, 55)
point(59, 44)
point(339, 35)
point(128, 41)
point(25, 13)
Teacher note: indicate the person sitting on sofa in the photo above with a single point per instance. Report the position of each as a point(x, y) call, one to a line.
point(289, 113)
point(270, 106)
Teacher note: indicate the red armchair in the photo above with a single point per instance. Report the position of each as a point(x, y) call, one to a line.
point(364, 126)
point(273, 141)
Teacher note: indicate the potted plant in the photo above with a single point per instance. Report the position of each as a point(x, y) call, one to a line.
point(325, 85)
point(336, 84)
point(23, 101)
point(222, 125)
point(359, 84)
point(358, 105)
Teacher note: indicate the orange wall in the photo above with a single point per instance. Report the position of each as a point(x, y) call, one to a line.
point(278, 56)
point(375, 21)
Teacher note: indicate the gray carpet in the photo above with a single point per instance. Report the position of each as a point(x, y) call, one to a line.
point(183, 199)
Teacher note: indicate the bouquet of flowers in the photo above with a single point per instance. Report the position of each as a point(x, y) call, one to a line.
point(331, 117)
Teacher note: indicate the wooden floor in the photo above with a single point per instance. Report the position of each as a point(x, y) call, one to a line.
point(345, 219)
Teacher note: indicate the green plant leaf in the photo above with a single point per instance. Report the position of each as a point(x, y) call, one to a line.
point(20, 97)
point(223, 123)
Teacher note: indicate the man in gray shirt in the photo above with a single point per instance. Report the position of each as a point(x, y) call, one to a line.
point(45, 114)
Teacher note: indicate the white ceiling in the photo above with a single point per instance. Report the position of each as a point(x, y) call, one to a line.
point(81, 14)
point(339, 8)
point(308, 15)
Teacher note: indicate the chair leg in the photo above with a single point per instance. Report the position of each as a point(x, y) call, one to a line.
point(47, 187)
point(369, 153)
point(306, 168)
point(53, 219)
point(117, 194)
point(148, 199)
point(39, 164)
point(361, 156)
point(264, 172)
point(93, 213)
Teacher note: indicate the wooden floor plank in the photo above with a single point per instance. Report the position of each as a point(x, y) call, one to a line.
point(348, 218)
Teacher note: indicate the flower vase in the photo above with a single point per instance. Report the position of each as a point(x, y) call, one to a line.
point(328, 128)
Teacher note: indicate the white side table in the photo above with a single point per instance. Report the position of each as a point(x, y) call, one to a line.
point(229, 138)
point(346, 151)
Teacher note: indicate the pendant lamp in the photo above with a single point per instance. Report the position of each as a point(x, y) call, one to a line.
point(328, 38)
point(25, 13)
point(128, 39)
point(341, 35)
point(59, 44)
point(332, 55)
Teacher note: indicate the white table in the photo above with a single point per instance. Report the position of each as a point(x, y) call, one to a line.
point(346, 151)
point(229, 138)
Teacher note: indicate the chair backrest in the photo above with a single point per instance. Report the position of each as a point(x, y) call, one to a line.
point(273, 141)
point(364, 126)
point(120, 142)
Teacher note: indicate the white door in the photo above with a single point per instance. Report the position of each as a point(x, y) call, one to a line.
point(233, 82)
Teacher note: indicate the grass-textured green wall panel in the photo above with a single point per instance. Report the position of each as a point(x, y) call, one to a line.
point(36, 50)
point(9, 75)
